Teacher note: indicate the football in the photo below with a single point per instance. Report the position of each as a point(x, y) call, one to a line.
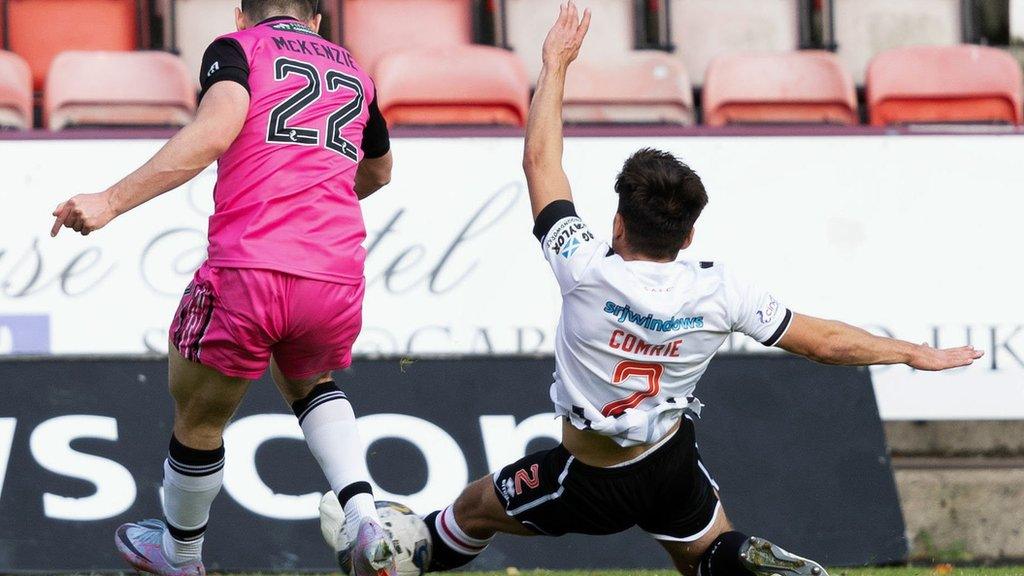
point(409, 536)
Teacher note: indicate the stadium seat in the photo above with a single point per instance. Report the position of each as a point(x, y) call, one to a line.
point(703, 29)
point(944, 84)
point(118, 89)
point(197, 24)
point(779, 88)
point(611, 35)
point(864, 28)
point(457, 85)
point(375, 28)
point(15, 92)
point(332, 22)
point(651, 87)
point(38, 30)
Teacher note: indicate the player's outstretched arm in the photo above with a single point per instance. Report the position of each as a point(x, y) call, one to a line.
point(217, 123)
point(373, 174)
point(832, 342)
point(542, 157)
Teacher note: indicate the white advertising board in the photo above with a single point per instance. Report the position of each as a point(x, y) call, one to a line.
point(917, 237)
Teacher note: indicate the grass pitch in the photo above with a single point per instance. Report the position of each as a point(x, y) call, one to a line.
point(943, 570)
point(940, 570)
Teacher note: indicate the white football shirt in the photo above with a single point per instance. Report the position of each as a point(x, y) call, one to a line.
point(635, 337)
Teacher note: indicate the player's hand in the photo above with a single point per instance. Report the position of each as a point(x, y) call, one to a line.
point(84, 213)
point(933, 359)
point(563, 43)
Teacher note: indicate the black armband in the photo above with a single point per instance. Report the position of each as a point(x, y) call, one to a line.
point(550, 215)
point(224, 60)
point(376, 140)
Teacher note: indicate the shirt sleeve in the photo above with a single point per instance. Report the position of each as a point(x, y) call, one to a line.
point(376, 140)
point(569, 245)
point(224, 60)
point(756, 312)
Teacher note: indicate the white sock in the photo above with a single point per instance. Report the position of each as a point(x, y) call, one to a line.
point(329, 425)
point(454, 537)
point(357, 508)
point(192, 479)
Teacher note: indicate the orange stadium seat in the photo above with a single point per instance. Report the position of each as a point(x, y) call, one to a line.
point(38, 30)
point(651, 87)
point(375, 28)
point(779, 88)
point(944, 84)
point(864, 28)
point(704, 29)
point(197, 24)
point(15, 92)
point(610, 38)
point(332, 22)
point(474, 85)
point(118, 89)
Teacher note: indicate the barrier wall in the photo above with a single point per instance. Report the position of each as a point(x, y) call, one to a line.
point(797, 448)
point(910, 236)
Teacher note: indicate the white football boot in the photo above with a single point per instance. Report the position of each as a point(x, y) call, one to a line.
point(763, 558)
point(141, 546)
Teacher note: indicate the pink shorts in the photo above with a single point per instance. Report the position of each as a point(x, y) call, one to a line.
point(234, 319)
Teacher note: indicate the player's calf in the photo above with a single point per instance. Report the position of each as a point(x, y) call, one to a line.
point(453, 547)
point(328, 423)
point(462, 531)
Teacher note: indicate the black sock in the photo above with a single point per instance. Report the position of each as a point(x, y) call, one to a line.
point(444, 556)
point(722, 558)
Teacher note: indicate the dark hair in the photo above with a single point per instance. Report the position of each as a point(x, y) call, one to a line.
point(660, 199)
point(259, 10)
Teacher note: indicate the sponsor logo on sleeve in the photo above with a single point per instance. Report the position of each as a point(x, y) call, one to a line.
point(213, 69)
point(767, 313)
point(566, 238)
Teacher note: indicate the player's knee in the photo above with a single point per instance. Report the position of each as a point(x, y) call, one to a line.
point(473, 509)
point(467, 507)
point(295, 390)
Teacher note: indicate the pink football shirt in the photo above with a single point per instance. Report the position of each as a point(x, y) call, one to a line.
point(284, 198)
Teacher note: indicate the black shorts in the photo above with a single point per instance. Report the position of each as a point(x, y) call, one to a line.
point(668, 493)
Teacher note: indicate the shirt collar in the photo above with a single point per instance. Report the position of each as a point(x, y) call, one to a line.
point(277, 19)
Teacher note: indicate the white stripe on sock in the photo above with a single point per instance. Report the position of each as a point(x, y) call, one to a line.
point(469, 541)
point(451, 534)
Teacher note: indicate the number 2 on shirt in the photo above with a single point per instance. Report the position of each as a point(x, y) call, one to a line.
point(628, 369)
point(281, 133)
